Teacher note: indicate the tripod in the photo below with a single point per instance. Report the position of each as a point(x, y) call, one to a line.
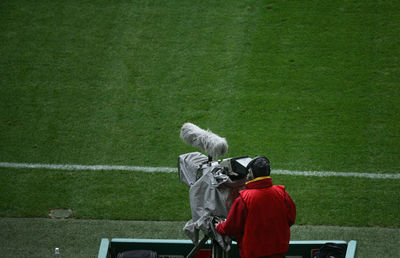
point(216, 251)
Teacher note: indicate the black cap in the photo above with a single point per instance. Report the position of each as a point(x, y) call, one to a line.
point(259, 166)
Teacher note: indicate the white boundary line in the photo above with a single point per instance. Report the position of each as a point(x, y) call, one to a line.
point(170, 170)
point(340, 174)
point(86, 167)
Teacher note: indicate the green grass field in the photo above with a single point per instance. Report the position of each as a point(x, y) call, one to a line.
point(313, 85)
point(81, 238)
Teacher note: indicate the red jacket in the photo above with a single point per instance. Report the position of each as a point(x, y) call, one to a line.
point(260, 219)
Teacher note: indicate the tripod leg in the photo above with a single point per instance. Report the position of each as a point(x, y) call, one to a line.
point(218, 251)
point(215, 250)
point(197, 247)
point(225, 254)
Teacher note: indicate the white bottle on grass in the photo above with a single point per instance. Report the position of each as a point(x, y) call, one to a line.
point(57, 253)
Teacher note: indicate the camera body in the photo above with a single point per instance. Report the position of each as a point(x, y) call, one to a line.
point(213, 186)
point(192, 166)
point(236, 168)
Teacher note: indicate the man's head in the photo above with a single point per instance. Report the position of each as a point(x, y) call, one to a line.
point(257, 167)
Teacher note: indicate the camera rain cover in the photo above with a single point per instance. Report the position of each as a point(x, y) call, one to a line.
point(211, 195)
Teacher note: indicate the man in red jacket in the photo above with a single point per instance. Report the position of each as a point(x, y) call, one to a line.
point(261, 217)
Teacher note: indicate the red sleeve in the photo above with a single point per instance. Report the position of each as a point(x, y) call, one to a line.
point(234, 223)
point(291, 209)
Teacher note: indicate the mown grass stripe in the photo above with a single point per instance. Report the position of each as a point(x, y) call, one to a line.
point(170, 170)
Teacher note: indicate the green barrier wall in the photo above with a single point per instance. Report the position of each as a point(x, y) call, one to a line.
point(171, 248)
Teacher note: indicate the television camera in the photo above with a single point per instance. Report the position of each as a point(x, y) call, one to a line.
point(213, 185)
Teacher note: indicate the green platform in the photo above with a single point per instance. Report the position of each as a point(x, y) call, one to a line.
point(171, 248)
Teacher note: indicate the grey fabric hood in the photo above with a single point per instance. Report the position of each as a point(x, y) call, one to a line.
point(211, 194)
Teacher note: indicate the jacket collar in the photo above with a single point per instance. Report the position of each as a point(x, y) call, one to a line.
point(259, 182)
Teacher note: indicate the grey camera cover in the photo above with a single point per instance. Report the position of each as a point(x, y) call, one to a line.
point(211, 195)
